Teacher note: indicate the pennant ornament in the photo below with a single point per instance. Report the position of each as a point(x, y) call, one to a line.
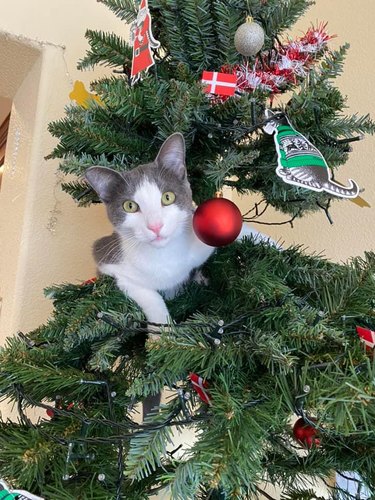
point(200, 385)
point(219, 83)
point(143, 41)
point(367, 336)
point(300, 163)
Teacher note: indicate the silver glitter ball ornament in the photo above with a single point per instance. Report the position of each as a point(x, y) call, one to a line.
point(249, 38)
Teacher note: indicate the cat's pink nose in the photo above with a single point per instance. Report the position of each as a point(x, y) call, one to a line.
point(155, 227)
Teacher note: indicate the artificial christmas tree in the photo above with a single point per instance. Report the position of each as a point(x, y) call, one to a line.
point(267, 335)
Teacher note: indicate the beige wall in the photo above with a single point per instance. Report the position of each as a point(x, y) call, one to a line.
point(353, 230)
point(44, 238)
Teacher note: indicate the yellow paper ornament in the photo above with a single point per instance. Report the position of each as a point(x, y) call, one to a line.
point(82, 96)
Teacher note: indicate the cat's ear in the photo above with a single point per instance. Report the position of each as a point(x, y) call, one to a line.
point(105, 181)
point(172, 155)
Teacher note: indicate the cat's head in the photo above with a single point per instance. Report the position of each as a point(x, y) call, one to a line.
point(274, 119)
point(152, 203)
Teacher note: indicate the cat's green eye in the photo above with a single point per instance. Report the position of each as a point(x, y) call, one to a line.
point(130, 206)
point(168, 198)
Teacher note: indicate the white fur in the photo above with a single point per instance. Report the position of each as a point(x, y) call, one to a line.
point(149, 264)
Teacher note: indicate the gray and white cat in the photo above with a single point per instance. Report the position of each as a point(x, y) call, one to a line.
point(153, 248)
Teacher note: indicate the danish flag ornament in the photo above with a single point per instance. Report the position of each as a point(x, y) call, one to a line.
point(367, 336)
point(219, 83)
point(200, 385)
point(143, 41)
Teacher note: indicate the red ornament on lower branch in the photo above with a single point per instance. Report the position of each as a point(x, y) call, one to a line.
point(217, 222)
point(200, 386)
point(91, 281)
point(367, 336)
point(305, 433)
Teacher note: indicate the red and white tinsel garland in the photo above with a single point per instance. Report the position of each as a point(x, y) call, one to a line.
point(280, 69)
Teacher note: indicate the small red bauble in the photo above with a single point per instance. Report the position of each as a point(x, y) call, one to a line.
point(91, 281)
point(217, 222)
point(305, 433)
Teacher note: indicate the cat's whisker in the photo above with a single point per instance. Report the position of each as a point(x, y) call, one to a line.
point(185, 224)
point(110, 246)
point(131, 243)
point(130, 247)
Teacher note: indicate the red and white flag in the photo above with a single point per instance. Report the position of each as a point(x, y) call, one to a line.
point(219, 83)
point(367, 336)
point(200, 385)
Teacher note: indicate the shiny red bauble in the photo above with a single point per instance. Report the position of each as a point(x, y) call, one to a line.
point(50, 412)
point(305, 433)
point(217, 222)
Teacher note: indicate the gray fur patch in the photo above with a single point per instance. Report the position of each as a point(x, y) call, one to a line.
point(108, 250)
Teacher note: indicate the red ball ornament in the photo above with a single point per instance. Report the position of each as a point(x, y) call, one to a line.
point(217, 222)
point(305, 433)
point(50, 412)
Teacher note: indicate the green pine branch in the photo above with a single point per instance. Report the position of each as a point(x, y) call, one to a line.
point(148, 449)
point(280, 16)
point(107, 49)
point(124, 9)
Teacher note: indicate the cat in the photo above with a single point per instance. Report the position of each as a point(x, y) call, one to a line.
point(300, 163)
point(153, 247)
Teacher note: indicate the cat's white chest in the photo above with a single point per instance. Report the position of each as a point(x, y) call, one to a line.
point(163, 268)
point(158, 268)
